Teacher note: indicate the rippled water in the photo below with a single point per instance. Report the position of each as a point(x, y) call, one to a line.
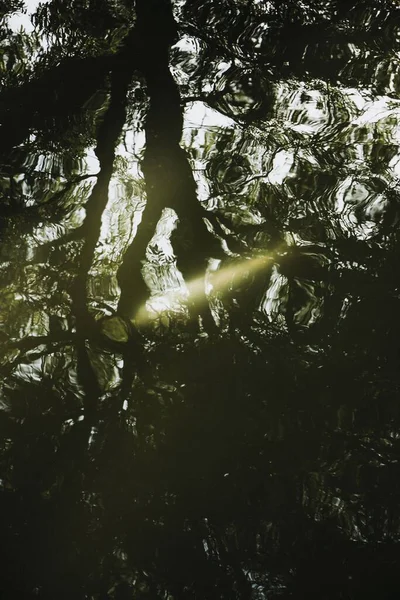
point(200, 300)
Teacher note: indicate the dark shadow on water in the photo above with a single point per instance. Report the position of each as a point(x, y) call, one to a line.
point(200, 301)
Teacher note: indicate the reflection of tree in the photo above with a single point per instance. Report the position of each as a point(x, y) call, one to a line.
point(169, 181)
point(260, 458)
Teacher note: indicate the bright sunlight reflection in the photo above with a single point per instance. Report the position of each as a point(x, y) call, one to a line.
point(19, 19)
point(218, 281)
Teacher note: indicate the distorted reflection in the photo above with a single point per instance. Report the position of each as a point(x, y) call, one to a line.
point(199, 299)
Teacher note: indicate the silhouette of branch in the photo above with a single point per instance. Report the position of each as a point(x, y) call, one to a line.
point(52, 343)
point(107, 139)
point(168, 176)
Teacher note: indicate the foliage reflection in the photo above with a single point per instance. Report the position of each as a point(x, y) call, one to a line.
point(200, 300)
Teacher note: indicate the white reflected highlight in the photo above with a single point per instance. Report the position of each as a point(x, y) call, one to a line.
point(19, 19)
point(215, 281)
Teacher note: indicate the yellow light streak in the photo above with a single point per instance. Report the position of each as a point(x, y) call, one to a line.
point(219, 280)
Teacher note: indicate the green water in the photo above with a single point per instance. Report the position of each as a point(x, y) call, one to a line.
point(199, 300)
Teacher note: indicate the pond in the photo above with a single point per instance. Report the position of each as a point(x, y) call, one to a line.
point(200, 299)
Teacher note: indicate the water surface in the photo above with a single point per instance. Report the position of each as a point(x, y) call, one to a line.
point(200, 300)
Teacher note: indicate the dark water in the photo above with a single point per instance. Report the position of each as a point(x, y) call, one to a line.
point(200, 300)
